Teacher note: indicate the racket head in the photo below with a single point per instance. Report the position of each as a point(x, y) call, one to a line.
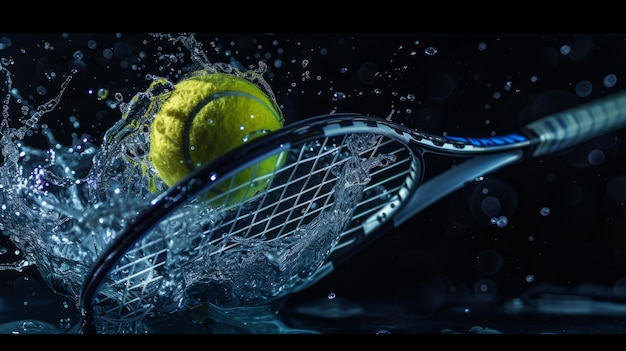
point(338, 179)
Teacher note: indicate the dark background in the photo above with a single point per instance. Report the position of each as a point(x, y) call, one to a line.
point(449, 267)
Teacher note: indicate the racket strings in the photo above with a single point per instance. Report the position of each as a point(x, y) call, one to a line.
point(191, 245)
point(302, 188)
point(387, 190)
point(298, 185)
point(131, 288)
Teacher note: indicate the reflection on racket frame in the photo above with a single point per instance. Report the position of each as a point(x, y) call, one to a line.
point(347, 178)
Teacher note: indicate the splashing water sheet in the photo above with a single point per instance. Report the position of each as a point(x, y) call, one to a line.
point(63, 205)
point(73, 177)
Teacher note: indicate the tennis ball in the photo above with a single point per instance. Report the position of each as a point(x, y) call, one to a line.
point(206, 115)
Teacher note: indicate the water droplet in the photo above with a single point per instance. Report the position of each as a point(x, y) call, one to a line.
point(338, 96)
point(254, 135)
point(102, 93)
point(584, 88)
point(430, 51)
point(596, 157)
point(501, 221)
point(32, 326)
point(609, 80)
point(41, 90)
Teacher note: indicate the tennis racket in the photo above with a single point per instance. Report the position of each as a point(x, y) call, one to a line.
point(340, 180)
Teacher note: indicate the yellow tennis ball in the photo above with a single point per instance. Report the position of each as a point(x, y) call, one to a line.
point(206, 115)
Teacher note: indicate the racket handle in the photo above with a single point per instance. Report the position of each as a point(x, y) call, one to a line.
point(581, 123)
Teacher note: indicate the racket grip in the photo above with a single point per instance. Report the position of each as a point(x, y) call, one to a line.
point(578, 124)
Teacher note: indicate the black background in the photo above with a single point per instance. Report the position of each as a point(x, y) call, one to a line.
point(436, 264)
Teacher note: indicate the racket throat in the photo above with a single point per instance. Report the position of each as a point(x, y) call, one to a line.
point(453, 179)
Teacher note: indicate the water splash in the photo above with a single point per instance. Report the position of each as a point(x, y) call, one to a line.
point(255, 270)
point(63, 205)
